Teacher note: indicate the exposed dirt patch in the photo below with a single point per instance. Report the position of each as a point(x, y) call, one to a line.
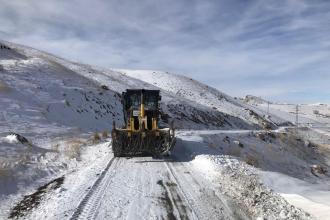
point(33, 200)
point(209, 118)
point(261, 121)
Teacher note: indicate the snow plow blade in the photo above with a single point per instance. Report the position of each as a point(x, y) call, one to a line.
point(155, 143)
point(141, 133)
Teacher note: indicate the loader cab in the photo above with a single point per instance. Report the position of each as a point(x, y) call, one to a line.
point(140, 104)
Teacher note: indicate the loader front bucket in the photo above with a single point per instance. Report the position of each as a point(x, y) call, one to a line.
point(155, 142)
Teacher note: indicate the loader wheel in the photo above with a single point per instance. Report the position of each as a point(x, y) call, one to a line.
point(116, 146)
point(116, 149)
point(116, 154)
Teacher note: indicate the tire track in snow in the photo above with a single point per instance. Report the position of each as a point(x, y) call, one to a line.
point(186, 195)
point(88, 207)
point(174, 203)
point(204, 202)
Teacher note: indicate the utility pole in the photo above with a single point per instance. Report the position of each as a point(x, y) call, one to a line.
point(297, 115)
point(267, 107)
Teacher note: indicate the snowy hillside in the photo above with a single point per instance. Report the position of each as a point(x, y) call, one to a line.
point(197, 103)
point(50, 106)
point(56, 159)
point(194, 91)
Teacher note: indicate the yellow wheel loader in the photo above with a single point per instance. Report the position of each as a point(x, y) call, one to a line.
point(141, 134)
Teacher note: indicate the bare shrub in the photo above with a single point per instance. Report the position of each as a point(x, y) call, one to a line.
point(282, 136)
point(55, 147)
point(212, 145)
point(67, 103)
point(234, 151)
point(318, 169)
point(4, 87)
point(105, 87)
point(251, 160)
point(293, 139)
point(105, 134)
point(261, 136)
point(4, 171)
point(271, 135)
point(96, 138)
point(226, 139)
point(73, 147)
point(238, 143)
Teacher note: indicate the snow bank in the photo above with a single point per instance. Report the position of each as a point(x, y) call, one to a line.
point(314, 198)
point(204, 164)
point(231, 173)
point(12, 139)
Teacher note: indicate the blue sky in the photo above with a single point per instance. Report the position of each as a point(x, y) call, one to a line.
point(276, 49)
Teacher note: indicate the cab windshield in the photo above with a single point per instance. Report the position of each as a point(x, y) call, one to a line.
point(135, 100)
point(150, 102)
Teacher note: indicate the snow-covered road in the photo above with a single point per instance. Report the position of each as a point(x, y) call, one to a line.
point(145, 188)
point(195, 182)
point(137, 188)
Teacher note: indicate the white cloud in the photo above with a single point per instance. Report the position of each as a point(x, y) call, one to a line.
point(249, 46)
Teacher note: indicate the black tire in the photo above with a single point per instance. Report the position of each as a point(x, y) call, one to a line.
point(116, 151)
point(116, 147)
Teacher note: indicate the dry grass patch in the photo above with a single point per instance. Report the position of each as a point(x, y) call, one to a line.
point(73, 147)
point(55, 147)
point(105, 134)
point(318, 169)
point(212, 145)
point(282, 136)
point(4, 171)
point(96, 138)
point(251, 160)
point(234, 151)
point(4, 87)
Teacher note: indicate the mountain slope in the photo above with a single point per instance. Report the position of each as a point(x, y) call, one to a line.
point(195, 91)
point(207, 107)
